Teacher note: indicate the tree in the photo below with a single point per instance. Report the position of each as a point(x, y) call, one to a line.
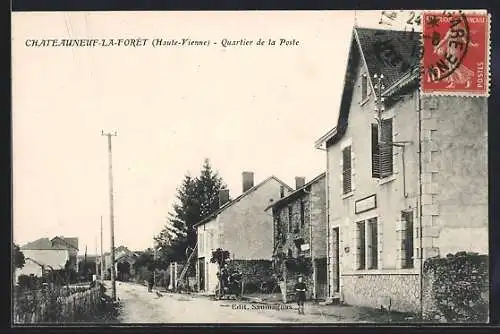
point(196, 198)
point(220, 257)
point(18, 259)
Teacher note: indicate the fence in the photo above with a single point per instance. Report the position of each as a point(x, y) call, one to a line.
point(60, 304)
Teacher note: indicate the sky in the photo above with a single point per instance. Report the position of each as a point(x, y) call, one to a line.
point(254, 109)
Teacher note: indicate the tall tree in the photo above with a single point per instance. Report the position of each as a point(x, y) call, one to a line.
point(18, 259)
point(196, 198)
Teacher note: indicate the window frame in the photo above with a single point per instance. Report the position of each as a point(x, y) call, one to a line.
point(407, 240)
point(367, 244)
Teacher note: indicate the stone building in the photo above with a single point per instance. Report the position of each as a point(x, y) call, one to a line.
point(240, 226)
point(406, 180)
point(299, 231)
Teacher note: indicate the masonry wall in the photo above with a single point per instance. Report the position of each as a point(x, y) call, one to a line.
point(455, 175)
point(297, 231)
point(318, 216)
point(398, 291)
point(246, 229)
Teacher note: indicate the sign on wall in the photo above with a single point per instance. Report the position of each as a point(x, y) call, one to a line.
point(365, 204)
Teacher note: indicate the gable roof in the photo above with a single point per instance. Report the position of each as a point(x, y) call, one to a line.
point(71, 242)
point(52, 258)
point(48, 244)
point(237, 199)
point(393, 53)
point(297, 192)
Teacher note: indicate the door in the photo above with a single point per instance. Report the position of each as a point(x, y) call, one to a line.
point(321, 278)
point(335, 261)
point(201, 273)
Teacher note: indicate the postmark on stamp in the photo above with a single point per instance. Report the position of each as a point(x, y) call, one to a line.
point(455, 55)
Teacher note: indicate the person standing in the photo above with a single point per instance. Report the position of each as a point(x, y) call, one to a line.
point(300, 292)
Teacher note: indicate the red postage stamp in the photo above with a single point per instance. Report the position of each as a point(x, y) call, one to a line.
point(455, 56)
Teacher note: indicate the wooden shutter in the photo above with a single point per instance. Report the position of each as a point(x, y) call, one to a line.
point(346, 170)
point(386, 148)
point(375, 152)
point(360, 244)
point(407, 240)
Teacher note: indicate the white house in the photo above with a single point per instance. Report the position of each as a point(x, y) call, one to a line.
point(407, 175)
point(240, 226)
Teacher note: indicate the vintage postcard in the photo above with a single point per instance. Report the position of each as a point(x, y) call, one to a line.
point(250, 167)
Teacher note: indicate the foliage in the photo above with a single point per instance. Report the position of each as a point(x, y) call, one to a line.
point(18, 259)
point(196, 198)
point(86, 268)
point(26, 282)
point(220, 257)
point(256, 274)
point(299, 265)
point(457, 287)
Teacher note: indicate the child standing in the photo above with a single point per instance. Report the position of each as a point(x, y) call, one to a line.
point(300, 291)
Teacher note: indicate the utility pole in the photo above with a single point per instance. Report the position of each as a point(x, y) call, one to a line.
point(96, 265)
point(111, 213)
point(102, 257)
point(154, 263)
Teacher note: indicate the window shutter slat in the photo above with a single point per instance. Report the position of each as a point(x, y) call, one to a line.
point(346, 170)
point(375, 152)
point(386, 148)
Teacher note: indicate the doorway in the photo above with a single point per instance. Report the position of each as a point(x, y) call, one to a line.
point(335, 261)
point(201, 274)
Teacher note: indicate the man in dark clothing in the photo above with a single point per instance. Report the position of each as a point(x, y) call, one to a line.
point(300, 292)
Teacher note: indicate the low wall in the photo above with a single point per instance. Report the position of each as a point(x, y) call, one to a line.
point(400, 291)
point(56, 306)
point(254, 272)
point(456, 288)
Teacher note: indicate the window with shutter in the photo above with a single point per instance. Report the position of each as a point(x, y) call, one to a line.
point(346, 170)
point(375, 152)
point(290, 215)
point(407, 239)
point(382, 150)
point(386, 148)
point(360, 237)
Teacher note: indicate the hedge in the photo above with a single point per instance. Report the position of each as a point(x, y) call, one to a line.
point(456, 288)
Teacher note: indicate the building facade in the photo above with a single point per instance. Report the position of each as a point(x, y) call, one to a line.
point(46, 254)
point(240, 226)
point(416, 188)
point(299, 231)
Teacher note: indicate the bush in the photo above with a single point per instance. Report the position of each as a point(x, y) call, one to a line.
point(456, 288)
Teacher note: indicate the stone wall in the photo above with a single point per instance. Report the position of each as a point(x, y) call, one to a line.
point(456, 288)
point(401, 292)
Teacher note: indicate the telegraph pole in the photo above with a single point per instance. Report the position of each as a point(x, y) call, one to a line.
point(111, 213)
point(102, 257)
point(96, 265)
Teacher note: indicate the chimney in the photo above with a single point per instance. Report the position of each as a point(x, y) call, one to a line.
point(299, 182)
point(223, 196)
point(247, 180)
